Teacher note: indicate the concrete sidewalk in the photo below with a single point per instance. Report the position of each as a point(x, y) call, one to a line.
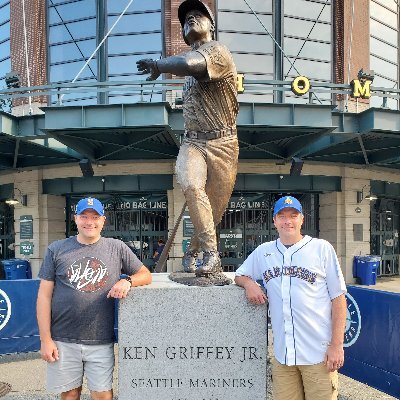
point(27, 375)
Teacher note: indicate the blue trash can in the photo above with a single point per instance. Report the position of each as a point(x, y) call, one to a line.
point(365, 269)
point(17, 269)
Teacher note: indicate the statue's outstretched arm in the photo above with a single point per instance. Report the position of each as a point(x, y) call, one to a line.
point(187, 64)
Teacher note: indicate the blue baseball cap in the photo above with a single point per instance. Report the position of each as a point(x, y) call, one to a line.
point(287, 202)
point(90, 203)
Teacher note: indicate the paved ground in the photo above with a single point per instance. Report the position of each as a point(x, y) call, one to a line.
point(386, 283)
point(27, 375)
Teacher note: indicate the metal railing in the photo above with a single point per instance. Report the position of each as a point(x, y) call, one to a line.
point(142, 88)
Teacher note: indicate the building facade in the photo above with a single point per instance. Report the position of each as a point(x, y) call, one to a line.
point(70, 91)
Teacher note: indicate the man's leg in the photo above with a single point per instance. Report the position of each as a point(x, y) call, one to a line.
point(74, 394)
point(222, 157)
point(99, 368)
point(65, 375)
point(319, 383)
point(222, 160)
point(108, 395)
point(191, 171)
point(286, 382)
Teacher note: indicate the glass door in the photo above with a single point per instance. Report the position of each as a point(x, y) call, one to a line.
point(7, 235)
point(385, 226)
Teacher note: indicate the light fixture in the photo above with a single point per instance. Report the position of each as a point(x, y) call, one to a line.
point(371, 197)
point(358, 210)
point(20, 199)
point(86, 168)
point(296, 166)
point(366, 75)
point(361, 196)
point(12, 80)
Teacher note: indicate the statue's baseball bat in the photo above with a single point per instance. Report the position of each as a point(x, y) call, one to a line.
point(162, 261)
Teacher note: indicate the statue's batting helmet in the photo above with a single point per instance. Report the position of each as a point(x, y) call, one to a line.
point(189, 5)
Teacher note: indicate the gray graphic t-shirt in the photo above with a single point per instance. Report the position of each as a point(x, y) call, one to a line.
point(82, 276)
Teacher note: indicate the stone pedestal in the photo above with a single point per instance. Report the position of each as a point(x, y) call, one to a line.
point(180, 342)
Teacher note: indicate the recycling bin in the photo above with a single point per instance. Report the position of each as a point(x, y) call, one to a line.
point(365, 268)
point(17, 269)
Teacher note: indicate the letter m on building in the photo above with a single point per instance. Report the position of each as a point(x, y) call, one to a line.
point(361, 89)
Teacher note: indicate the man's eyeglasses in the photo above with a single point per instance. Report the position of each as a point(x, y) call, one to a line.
point(90, 218)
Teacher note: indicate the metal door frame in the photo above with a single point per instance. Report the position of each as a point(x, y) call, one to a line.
point(385, 227)
point(7, 237)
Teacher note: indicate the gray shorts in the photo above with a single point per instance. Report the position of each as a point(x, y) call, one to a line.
point(96, 362)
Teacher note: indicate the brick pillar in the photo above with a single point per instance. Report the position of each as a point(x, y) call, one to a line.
point(359, 57)
point(35, 16)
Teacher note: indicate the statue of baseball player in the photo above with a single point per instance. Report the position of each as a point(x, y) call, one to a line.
point(306, 295)
point(207, 162)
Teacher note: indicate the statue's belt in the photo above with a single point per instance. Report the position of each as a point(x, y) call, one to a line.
point(210, 135)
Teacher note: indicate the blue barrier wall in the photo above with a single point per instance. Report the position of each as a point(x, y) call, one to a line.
point(18, 327)
point(372, 337)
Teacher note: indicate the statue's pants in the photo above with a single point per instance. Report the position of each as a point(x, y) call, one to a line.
point(206, 171)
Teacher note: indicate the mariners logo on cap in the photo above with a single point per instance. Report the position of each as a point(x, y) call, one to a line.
point(90, 201)
point(288, 200)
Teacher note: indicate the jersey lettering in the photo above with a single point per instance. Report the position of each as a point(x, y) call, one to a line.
point(292, 271)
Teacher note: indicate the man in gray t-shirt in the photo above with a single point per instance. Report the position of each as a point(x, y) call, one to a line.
point(80, 277)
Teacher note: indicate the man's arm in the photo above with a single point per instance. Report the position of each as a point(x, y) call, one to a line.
point(48, 348)
point(187, 64)
point(121, 288)
point(254, 293)
point(334, 357)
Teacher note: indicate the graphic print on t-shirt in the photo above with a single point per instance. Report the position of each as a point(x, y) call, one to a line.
point(88, 274)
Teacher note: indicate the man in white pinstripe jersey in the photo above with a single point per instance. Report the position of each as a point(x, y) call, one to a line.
point(306, 295)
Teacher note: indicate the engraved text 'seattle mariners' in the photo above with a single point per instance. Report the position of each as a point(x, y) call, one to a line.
point(207, 162)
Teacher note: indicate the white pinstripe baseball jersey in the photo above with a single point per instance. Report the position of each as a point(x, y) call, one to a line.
point(301, 281)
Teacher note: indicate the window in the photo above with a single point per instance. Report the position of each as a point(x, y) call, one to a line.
point(384, 48)
point(250, 44)
point(73, 38)
point(137, 35)
point(5, 62)
point(308, 44)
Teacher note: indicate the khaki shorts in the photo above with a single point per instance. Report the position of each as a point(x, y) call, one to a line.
point(303, 382)
point(96, 362)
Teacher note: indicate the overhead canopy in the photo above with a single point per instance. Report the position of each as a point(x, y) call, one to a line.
point(152, 131)
point(16, 152)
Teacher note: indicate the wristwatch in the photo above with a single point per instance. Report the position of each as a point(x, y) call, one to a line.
point(128, 278)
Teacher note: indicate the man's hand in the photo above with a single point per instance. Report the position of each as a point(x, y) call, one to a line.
point(334, 357)
point(120, 289)
point(49, 351)
point(148, 66)
point(254, 293)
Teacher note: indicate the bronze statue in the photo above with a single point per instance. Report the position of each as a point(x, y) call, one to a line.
point(206, 166)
